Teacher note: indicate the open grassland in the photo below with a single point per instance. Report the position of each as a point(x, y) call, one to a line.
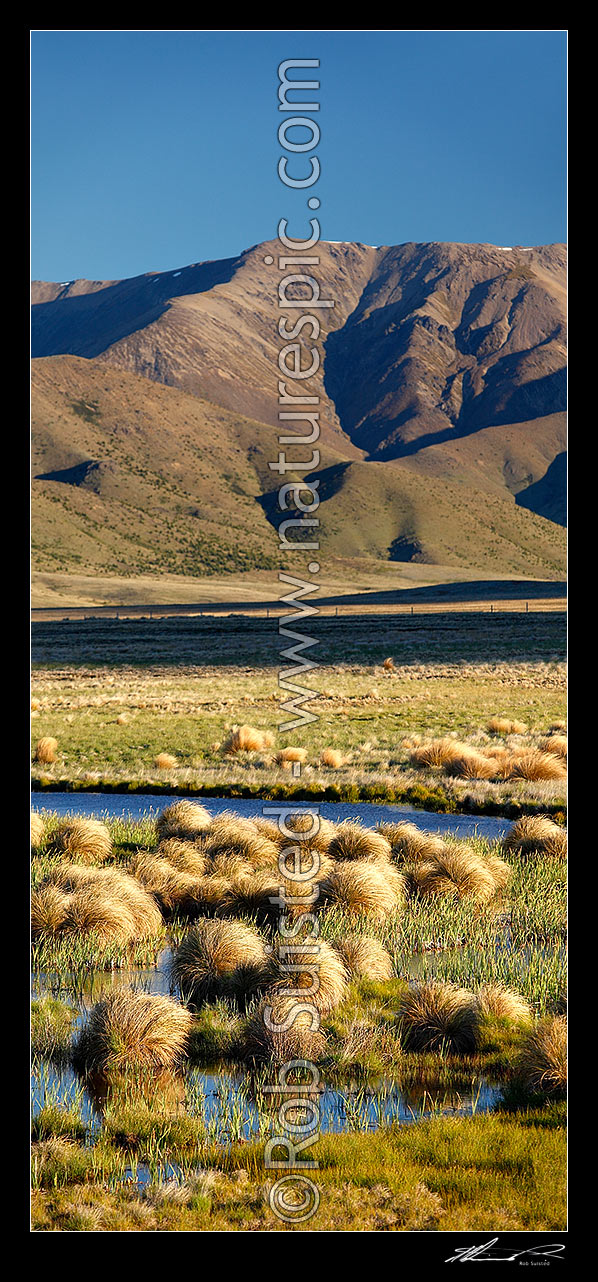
point(441, 970)
point(150, 705)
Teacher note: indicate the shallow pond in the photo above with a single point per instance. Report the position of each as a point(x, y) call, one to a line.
point(148, 805)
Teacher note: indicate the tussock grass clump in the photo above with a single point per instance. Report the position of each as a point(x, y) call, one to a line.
point(365, 957)
point(436, 1015)
point(45, 750)
point(49, 911)
point(287, 756)
point(280, 1031)
point(219, 959)
point(246, 739)
point(86, 839)
point(388, 665)
point(408, 843)
point(230, 835)
point(469, 764)
point(253, 895)
point(107, 884)
point(536, 834)
point(558, 727)
point(185, 819)
point(364, 887)
point(129, 1029)
point(438, 752)
point(537, 766)
point(37, 830)
point(505, 725)
point(331, 758)
point(122, 719)
point(458, 871)
point(187, 856)
point(503, 1003)
point(165, 761)
point(556, 744)
point(353, 842)
point(542, 1065)
point(499, 870)
point(175, 889)
point(316, 974)
point(311, 830)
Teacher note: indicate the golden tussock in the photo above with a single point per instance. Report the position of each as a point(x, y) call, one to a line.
point(175, 889)
point(408, 843)
point(469, 764)
point(49, 910)
point(365, 957)
point(353, 842)
point(438, 752)
point(184, 819)
point(122, 719)
point(105, 902)
point(503, 1003)
point(86, 839)
point(361, 886)
point(555, 743)
point(542, 1065)
point(229, 835)
point(388, 665)
point(505, 725)
point(313, 972)
point(281, 1031)
point(46, 749)
point(536, 834)
point(331, 758)
point(558, 727)
point(187, 856)
point(219, 959)
point(246, 739)
point(435, 1015)
point(287, 756)
point(37, 830)
point(457, 871)
point(129, 1029)
point(535, 765)
point(165, 761)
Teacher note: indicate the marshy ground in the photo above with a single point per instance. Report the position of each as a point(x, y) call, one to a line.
point(442, 1001)
point(136, 703)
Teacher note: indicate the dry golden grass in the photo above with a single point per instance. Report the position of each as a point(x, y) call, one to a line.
point(49, 911)
point(435, 1015)
point(503, 1003)
point(331, 758)
point(246, 739)
point(106, 902)
point(500, 871)
point(122, 719)
point(558, 727)
point(46, 749)
point(408, 843)
point(280, 1031)
point(365, 957)
point(364, 887)
point(219, 959)
point(187, 856)
point(438, 752)
point(229, 835)
point(165, 761)
point(505, 725)
point(175, 889)
point(185, 819)
point(85, 839)
point(312, 831)
point(542, 1065)
point(536, 834)
point(129, 1029)
point(388, 665)
point(469, 764)
point(458, 871)
point(287, 756)
point(253, 894)
point(37, 830)
point(315, 974)
point(353, 842)
point(555, 743)
point(536, 765)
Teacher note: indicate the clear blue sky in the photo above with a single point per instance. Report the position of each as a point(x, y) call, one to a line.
point(151, 150)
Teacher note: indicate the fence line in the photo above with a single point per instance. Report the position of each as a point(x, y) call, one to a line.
point(44, 614)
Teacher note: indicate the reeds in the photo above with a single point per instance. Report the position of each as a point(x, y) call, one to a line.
point(219, 959)
point(87, 840)
point(45, 750)
point(536, 835)
point(129, 1029)
point(542, 1065)
point(436, 1016)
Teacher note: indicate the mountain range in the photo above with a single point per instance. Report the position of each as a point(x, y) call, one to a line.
point(442, 393)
